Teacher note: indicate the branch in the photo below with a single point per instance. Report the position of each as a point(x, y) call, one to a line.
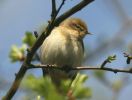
point(102, 67)
point(63, 1)
point(108, 60)
point(73, 10)
point(129, 58)
point(37, 44)
point(80, 68)
point(36, 34)
point(53, 13)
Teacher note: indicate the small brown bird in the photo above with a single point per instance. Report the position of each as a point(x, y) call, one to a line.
point(64, 48)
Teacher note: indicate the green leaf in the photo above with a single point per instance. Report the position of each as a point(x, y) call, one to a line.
point(111, 58)
point(65, 84)
point(82, 93)
point(43, 87)
point(46, 89)
point(99, 74)
point(16, 53)
point(79, 90)
point(29, 39)
point(117, 85)
point(79, 80)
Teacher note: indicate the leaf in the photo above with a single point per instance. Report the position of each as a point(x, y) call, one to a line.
point(117, 85)
point(43, 87)
point(83, 93)
point(79, 90)
point(99, 74)
point(111, 58)
point(46, 89)
point(29, 39)
point(79, 79)
point(16, 53)
point(65, 84)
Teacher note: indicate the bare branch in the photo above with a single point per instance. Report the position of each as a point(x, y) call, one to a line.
point(108, 60)
point(63, 1)
point(53, 13)
point(71, 11)
point(16, 82)
point(80, 68)
point(129, 58)
point(36, 34)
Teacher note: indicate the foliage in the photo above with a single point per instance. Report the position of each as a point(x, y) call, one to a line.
point(111, 58)
point(100, 74)
point(46, 89)
point(29, 39)
point(79, 90)
point(18, 53)
point(117, 85)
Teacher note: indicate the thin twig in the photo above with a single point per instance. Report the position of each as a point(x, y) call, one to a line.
point(53, 13)
point(104, 63)
point(71, 11)
point(58, 10)
point(36, 34)
point(129, 58)
point(80, 68)
point(108, 60)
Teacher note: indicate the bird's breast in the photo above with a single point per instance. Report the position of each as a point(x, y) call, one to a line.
point(62, 51)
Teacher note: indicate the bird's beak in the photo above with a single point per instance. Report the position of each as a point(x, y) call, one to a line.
point(88, 33)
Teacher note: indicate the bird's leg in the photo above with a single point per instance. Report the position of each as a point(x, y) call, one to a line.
point(66, 68)
point(45, 71)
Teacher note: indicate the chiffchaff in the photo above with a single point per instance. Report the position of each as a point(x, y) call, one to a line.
point(64, 48)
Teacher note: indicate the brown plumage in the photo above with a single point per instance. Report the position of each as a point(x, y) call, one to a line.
point(64, 48)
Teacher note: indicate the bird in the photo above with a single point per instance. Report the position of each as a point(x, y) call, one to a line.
point(64, 48)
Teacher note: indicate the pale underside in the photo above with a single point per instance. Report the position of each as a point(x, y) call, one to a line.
point(57, 50)
point(64, 50)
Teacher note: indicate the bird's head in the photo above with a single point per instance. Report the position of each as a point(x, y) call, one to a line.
point(77, 25)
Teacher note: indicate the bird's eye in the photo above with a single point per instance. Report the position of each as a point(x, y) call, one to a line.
point(78, 27)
